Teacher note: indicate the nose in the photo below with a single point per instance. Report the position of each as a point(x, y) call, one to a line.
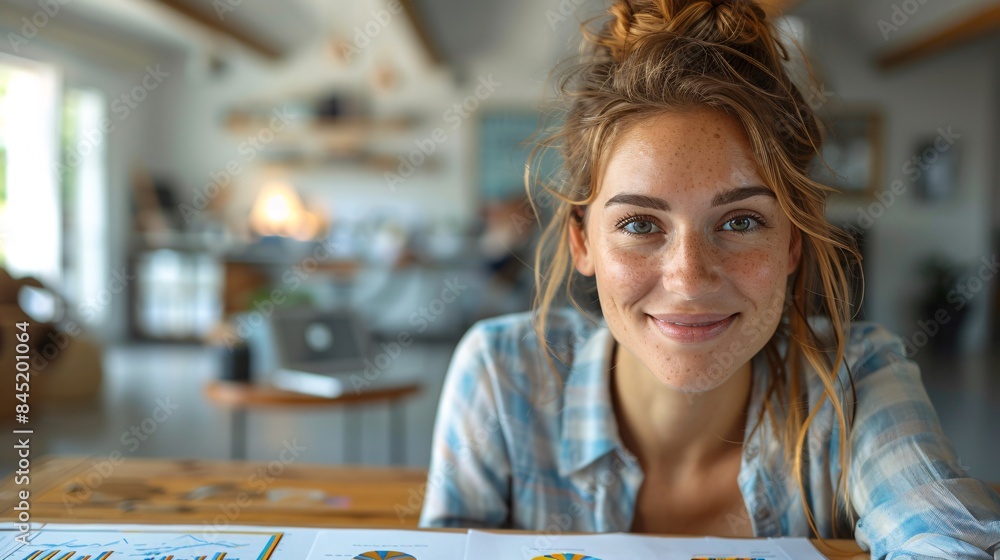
point(692, 267)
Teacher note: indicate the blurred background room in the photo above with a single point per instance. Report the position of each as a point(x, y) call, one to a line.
point(198, 193)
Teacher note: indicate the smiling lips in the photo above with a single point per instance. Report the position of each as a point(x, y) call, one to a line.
point(690, 329)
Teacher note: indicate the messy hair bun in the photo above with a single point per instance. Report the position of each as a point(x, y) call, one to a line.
point(730, 22)
point(649, 57)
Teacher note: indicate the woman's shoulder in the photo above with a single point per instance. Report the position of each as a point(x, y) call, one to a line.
point(508, 346)
point(870, 347)
point(873, 356)
point(566, 329)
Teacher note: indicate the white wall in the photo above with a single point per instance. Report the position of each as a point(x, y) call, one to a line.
point(956, 89)
point(196, 145)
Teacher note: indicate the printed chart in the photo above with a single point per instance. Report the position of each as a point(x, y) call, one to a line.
point(79, 542)
point(192, 542)
point(496, 546)
point(362, 544)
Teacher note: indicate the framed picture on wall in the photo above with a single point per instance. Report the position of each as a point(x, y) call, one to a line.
point(506, 139)
point(852, 152)
point(934, 170)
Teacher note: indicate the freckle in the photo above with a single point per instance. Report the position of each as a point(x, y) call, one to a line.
point(717, 135)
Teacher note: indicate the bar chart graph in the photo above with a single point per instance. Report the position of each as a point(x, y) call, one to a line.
point(57, 544)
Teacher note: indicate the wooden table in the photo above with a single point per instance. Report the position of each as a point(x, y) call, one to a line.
point(240, 397)
point(161, 491)
point(186, 491)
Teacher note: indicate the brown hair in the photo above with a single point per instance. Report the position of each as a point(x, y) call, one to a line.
point(653, 56)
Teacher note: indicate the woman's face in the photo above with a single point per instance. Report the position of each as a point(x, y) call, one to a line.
point(690, 250)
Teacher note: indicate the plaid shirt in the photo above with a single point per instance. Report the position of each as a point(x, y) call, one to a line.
point(514, 448)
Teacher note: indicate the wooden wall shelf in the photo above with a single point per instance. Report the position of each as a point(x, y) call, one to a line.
point(323, 144)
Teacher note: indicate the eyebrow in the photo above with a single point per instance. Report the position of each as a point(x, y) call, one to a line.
point(741, 193)
point(720, 199)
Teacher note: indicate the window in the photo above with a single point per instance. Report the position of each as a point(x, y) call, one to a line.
point(30, 224)
point(83, 193)
point(53, 182)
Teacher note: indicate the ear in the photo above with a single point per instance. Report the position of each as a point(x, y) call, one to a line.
point(579, 245)
point(794, 250)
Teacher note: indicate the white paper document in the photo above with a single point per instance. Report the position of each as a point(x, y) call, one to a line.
point(353, 544)
point(495, 546)
point(193, 542)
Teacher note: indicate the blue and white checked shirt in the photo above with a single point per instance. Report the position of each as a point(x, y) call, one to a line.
point(513, 450)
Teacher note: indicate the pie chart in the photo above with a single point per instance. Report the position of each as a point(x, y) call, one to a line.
point(384, 555)
point(564, 556)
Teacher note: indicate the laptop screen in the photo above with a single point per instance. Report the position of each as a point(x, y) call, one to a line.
point(319, 341)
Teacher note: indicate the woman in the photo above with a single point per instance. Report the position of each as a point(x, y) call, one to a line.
point(719, 387)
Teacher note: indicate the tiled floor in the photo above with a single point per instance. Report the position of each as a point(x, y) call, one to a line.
point(142, 379)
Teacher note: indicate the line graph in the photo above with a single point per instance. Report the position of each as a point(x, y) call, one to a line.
point(109, 544)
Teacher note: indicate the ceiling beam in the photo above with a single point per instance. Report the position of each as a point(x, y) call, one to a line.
point(423, 35)
point(218, 25)
point(973, 26)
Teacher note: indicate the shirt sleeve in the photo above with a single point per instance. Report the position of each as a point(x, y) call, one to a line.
point(469, 478)
point(913, 498)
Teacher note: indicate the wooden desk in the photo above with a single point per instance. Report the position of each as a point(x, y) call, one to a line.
point(240, 397)
point(65, 489)
point(222, 493)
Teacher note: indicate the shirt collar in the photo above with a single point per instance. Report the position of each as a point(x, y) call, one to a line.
point(588, 427)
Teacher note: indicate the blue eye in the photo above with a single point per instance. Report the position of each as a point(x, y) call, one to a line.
point(743, 224)
point(639, 226)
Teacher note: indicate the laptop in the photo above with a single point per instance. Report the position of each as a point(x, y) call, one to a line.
point(321, 352)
